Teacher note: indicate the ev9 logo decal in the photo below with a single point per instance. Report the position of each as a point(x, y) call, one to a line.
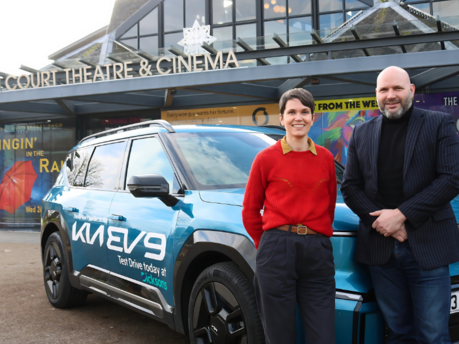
point(84, 235)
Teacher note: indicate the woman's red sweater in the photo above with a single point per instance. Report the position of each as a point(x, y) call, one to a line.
point(293, 188)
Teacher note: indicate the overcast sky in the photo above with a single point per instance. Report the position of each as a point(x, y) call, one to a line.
point(31, 30)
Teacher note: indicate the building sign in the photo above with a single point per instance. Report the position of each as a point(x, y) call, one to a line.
point(236, 115)
point(117, 71)
point(197, 60)
point(195, 37)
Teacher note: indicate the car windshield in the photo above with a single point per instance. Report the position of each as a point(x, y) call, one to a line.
point(220, 160)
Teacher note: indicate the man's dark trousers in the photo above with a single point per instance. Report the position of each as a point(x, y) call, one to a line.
point(295, 268)
point(430, 182)
point(401, 287)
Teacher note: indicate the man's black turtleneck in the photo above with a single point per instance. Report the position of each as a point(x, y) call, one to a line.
point(391, 157)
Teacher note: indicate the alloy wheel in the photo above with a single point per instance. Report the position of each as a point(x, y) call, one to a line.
point(218, 317)
point(53, 270)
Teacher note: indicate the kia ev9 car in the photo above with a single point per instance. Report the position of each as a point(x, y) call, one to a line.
point(149, 216)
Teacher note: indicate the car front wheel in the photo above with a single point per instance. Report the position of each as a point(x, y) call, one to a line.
point(55, 272)
point(222, 308)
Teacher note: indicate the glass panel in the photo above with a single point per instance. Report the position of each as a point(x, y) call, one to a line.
point(149, 24)
point(423, 7)
point(218, 161)
point(78, 162)
point(149, 45)
point(279, 27)
point(246, 31)
point(104, 166)
point(330, 5)
point(330, 21)
point(173, 15)
point(172, 39)
point(275, 26)
point(148, 157)
point(195, 10)
point(131, 43)
point(350, 14)
point(223, 33)
point(245, 10)
point(274, 8)
point(445, 8)
point(297, 7)
point(132, 32)
point(300, 24)
point(351, 4)
point(222, 11)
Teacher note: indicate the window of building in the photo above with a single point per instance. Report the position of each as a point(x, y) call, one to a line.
point(233, 18)
point(173, 15)
point(195, 10)
point(333, 13)
point(293, 17)
point(144, 34)
point(148, 157)
point(104, 166)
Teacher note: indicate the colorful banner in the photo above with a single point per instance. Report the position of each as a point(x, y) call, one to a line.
point(444, 102)
point(31, 157)
point(335, 120)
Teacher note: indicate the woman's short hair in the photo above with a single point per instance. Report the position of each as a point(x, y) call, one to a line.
point(305, 97)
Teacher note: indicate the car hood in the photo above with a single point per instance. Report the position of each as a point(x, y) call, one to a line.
point(345, 219)
point(223, 196)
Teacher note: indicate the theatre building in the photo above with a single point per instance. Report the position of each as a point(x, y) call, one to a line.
point(219, 62)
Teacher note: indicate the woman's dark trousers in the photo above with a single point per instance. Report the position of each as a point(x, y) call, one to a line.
point(291, 269)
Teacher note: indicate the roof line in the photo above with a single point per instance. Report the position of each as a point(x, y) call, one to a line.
point(78, 44)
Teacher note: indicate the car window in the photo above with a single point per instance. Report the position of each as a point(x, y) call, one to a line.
point(220, 160)
point(77, 162)
point(104, 166)
point(148, 157)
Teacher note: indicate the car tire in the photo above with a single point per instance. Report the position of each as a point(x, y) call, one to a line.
point(60, 292)
point(222, 308)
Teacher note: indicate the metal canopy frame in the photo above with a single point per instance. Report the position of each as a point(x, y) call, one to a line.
point(333, 78)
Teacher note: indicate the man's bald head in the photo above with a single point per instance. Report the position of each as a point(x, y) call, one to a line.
point(394, 92)
point(393, 71)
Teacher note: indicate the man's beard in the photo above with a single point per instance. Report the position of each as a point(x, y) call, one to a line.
point(405, 106)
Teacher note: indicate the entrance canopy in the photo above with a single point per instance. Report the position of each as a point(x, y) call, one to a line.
point(343, 63)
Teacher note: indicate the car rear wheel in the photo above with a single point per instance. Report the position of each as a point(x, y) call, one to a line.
point(55, 272)
point(222, 308)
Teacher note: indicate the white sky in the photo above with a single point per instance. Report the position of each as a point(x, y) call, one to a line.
point(31, 30)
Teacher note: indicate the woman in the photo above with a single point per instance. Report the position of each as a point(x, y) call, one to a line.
point(294, 181)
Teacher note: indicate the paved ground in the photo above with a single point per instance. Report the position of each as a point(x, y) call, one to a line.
point(26, 316)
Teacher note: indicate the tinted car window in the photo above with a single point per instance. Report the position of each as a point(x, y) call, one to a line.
point(220, 160)
point(148, 157)
point(76, 165)
point(104, 166)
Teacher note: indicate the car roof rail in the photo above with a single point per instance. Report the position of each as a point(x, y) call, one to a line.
point(165, 124)
point(272, 126)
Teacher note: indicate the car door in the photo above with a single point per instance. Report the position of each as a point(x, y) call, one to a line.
point(139, 234)
point(92, 175)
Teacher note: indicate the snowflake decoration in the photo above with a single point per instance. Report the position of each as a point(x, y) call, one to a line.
point(195, 37)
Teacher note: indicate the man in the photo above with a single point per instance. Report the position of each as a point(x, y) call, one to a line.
point(402, 171)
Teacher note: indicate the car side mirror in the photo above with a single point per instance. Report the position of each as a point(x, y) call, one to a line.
point(151, 185)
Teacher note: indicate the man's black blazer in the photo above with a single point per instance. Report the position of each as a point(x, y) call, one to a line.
point(430, 182)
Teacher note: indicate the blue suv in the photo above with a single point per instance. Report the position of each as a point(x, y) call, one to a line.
point(149, 216)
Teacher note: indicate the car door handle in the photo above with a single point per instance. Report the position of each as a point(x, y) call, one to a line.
point(117, 217)
point(71, 209)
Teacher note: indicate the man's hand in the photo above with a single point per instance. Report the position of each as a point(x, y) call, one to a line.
point(401, 235)
point(389, 221)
